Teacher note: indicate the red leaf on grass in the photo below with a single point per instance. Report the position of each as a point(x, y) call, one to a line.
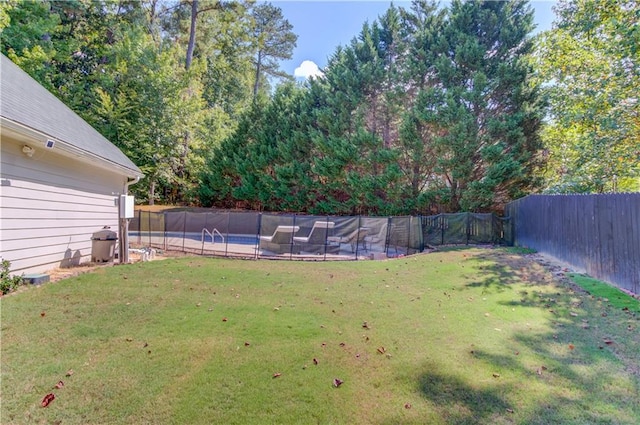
point(48, 399)
point(571, 346)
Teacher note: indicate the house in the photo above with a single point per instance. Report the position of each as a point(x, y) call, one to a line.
point(60, 180)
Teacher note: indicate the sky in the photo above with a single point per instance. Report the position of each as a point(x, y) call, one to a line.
point(323, 25)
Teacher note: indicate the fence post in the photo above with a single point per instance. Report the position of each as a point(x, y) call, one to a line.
point(226, 241)
point(259, 229)
point(291, 238)
point(387, 236)
point(468, 222)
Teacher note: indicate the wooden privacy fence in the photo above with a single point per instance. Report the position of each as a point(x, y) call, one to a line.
point(597, 233)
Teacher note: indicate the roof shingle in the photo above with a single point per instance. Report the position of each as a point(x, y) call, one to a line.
point(24, 101)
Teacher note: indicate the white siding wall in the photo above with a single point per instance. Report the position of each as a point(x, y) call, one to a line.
point(49, 207)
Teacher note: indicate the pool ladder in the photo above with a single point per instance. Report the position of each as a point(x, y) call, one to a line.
point(211, 233)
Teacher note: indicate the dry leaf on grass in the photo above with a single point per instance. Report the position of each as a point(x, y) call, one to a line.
point(47, 399)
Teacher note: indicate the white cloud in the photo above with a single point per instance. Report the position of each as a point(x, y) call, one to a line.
point(307, 69)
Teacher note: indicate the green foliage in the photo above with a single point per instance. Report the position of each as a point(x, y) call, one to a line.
point(592, 63)
point(8, 283)
point(426, 110)
point(274, 41)
point(120, 65)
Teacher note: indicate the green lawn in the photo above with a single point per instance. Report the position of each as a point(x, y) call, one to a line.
point(468, 336)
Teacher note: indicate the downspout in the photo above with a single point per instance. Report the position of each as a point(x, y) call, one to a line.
point(123, 223)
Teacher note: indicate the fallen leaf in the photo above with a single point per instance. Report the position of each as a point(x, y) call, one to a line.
point(42, 314)
point(224, 319)
point(607, 341)
point(315, 361)
point(381, 350)
point(574, 314)
point(246, 344)
point(69, 372)
point(509, 410)
point(277, 374)
point(59, 385)
point(571, 346)
point(407, 405)
point(496, 375)
point(365, 325)
point(337, 382)
point(47, 399)
point(342, 344)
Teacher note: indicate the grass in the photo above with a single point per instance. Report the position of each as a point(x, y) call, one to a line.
point(470, 336)
point(607, 293)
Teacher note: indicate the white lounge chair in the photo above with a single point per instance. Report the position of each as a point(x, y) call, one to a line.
point(354, 238)
point(280, 241)
point(316, 241)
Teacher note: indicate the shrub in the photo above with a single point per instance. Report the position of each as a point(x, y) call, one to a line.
point(8, 283)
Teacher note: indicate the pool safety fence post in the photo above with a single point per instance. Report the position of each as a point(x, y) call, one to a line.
point(358, 236)
point(184, 229)
point(258, 230)
point(165, 244)
point(291, 237)
point(420, 217)
point(326, 237)
point(468, 225)
point(226, 240)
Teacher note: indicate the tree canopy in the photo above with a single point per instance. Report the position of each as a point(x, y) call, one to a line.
point(591, 63)
point(427, 109)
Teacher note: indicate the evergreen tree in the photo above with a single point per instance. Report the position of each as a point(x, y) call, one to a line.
point(488, 105)
point(274, 41)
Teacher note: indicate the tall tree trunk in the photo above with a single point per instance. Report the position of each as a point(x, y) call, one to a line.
point(256, 85)
point(152, 191)
point(192, 33)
